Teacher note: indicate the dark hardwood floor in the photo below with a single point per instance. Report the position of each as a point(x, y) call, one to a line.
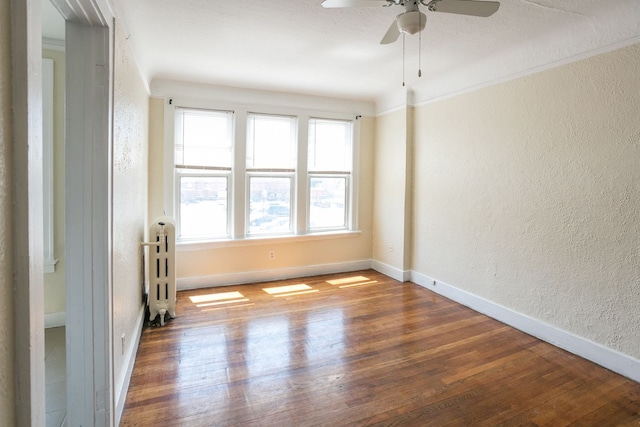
point(365, 351)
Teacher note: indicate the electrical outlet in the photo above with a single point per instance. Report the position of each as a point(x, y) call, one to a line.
point(272, 255)
point(390, 248)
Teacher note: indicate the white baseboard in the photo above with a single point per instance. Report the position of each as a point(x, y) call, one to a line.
point(611, 359)
point(393, 272)
point(200, 282)
point(129, 361)
point(54, 320)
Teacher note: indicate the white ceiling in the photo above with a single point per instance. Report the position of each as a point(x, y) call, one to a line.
point(298, 46)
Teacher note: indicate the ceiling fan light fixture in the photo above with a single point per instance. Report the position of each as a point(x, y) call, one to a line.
point(411, 22)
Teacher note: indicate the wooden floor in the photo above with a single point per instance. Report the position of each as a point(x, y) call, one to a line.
point(364, 350)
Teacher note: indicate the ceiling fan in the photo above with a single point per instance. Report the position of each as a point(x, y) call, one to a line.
point(412, 20)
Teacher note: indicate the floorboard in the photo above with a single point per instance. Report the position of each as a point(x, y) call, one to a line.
point(359, 349)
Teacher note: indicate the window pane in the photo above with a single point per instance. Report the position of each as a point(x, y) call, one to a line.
point(203, 206)
point(203, 138)
point(327, 202)
point(271, 142)
point(330, 145)
point(269, 205)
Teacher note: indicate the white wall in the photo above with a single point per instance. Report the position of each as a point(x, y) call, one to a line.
point(130, 147)
point(526, 195)
point(7, 328)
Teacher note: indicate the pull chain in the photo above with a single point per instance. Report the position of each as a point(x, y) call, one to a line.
point(403, 56)
point(420, 49)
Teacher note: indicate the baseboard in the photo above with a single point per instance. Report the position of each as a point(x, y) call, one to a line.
point(393, 272)
point(200, 282)
point(611, 359)
point(129, 361)
point(54, 320)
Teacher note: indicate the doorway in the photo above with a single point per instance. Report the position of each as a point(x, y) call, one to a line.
point(53, 172)
point(88, 32)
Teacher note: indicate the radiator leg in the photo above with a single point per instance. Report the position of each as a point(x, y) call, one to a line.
point(162, 313)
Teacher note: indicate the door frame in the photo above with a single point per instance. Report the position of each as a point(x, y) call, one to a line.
point(28, 262)
point(88, 205)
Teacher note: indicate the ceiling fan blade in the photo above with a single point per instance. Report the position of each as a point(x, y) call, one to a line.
point(465, 7)
point(353, 3)
point(392, 34)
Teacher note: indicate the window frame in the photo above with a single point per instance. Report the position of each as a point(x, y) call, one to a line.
point(347, 216)
point(348, 174)
point(181, 172)
point(238, 194)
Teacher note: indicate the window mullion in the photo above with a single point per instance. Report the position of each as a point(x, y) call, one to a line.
point(302, 181)
point(239, 197)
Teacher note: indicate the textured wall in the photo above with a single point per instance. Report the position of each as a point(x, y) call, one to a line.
point(526, 194)
point(54, 283)
point(131, 106)
point(7, 339)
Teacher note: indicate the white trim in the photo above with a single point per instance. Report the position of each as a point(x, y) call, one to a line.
point(47, 166)
point(185, 283)
point(88, 217)
point(611, 359)
point(54, 320)
point(26, 182)
point(129, 359)
point(301, 188)
point(393, 272)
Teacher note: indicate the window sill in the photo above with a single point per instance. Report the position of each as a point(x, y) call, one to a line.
point(197, 245)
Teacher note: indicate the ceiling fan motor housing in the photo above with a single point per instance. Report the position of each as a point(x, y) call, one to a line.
point(411, 22)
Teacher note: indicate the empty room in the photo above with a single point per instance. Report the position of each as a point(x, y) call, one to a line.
point(338, 212)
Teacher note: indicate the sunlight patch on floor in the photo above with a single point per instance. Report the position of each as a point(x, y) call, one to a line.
point(347, 280)
point(198, 299)
point(287, 289)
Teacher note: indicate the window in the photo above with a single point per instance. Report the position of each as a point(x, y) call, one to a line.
point(271, 167)
point(244, 174)
point(330, 164)
point(203, 161)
